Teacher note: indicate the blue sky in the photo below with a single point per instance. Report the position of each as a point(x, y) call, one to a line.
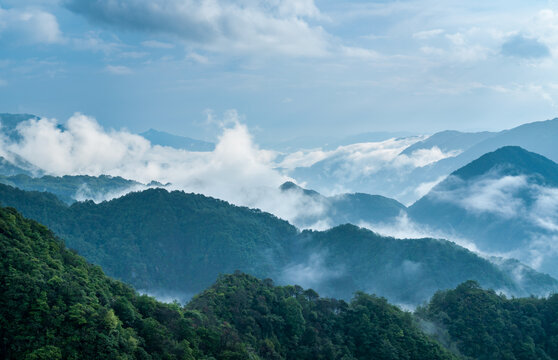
point(289, 68)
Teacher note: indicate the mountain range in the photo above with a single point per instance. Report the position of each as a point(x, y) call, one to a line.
point(178, 243)
point(449, 150)
point(504, 202)
point(55, 305)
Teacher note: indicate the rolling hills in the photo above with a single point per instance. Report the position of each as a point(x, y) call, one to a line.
point(163, 242)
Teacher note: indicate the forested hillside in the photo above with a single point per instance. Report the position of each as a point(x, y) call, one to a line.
point(485, 325)
point(55, 305)
point(177, 244)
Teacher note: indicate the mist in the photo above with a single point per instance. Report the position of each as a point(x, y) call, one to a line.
point(238, 170)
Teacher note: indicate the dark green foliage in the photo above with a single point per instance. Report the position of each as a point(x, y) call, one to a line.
point(291, 323)
point(409, 270)
point(55, 305)
point(158, 240)
point(484, 325)
point(177, 244)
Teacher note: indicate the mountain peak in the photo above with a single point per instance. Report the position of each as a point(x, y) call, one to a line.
point(512, 160)
point(291, 186)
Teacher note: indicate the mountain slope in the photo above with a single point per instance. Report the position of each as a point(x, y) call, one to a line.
point(179, 243)
point(407, 184)
point(70, 188)
point(54, 305)
point(503, 202)
point(289, 322)
point(179, 142)
point(340, 209)
point(449, 140)
point(406, 271)
point(484, 325)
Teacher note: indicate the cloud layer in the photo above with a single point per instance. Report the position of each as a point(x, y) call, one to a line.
point(238, 26)
point(30, 26)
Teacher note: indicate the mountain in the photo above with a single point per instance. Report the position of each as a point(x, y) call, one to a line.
point(172, 242)
point(8, 168)
point(407, 184)
point(406, 271)
point(179, 142)
point(55, 305)
point(341, 209)
point(71, 188)
point(481, 324)
point(503, 202)
point(449, 140)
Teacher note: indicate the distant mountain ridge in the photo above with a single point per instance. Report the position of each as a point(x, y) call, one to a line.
point(501, 202)
point(72, 188)
point(344, 208)
point(538, 137)
point(161, 241)
point(179, 142)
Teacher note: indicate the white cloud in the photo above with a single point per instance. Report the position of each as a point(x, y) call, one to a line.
point(423, 157)
point(30, 26)
point(424, 188)
point(200, 59)
point(498, 196)
point(506, 196)
point(404, 228)
point(427, 34)
point(237, 170)
point(118, 69)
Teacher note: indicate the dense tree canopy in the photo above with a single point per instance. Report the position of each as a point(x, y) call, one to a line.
point(173, 242)
point(55, 305)
point(484, 325)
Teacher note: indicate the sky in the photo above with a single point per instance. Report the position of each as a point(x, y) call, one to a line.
point(288, 68)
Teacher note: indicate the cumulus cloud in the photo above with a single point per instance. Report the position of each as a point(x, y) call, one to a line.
point(277, 26)
point(30, 26)
point(237, 170)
